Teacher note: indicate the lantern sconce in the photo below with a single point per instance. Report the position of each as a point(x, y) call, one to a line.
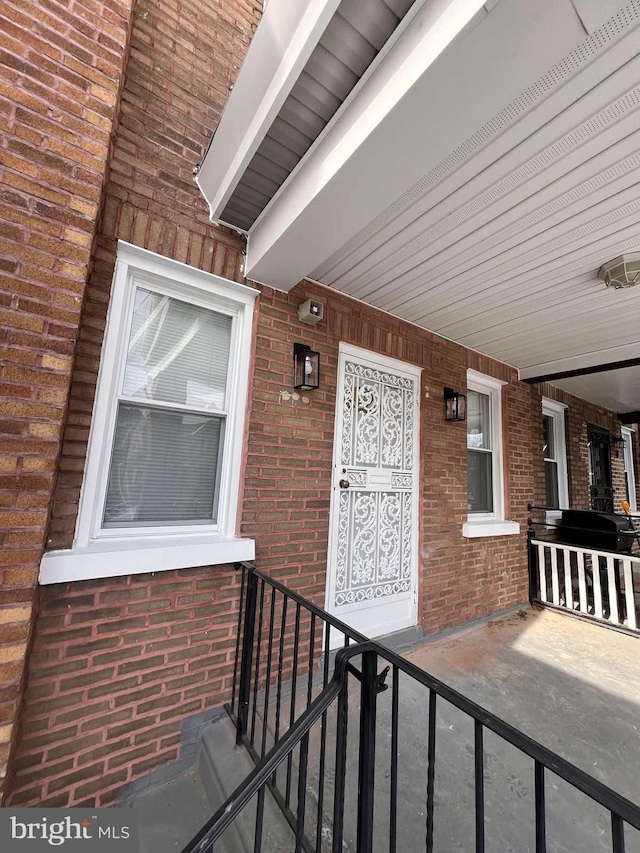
point(455, 405)
point(306, 368)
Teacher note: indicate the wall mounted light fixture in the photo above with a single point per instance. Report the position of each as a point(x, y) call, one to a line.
point(306, 368)
point(455, 405)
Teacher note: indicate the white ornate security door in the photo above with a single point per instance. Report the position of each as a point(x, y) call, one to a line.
point(371, 579)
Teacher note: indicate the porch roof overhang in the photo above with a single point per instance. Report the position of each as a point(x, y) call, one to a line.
point(481, 168)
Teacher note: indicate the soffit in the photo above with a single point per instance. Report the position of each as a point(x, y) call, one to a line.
point(498, 246)
point(481, 205)
point(352, 40)
point(617, 390)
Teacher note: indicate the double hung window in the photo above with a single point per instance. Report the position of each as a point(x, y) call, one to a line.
point(161, 481)
point(485, 486)
point(555, 456)
point(171, 413)
point(480, 453)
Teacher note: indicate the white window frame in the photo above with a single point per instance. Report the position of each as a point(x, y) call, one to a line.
point(556, 411)
point(629, 466)
point(491, 523)
point(104, 552)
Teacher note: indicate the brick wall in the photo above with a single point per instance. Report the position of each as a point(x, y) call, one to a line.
point(95, 640)
point(578, 416)
point(60, 83)
point(115, 666)
point(178, 76)
point(120, 662)
point(288, 469)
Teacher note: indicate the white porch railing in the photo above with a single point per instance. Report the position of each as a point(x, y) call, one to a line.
point(597, 584)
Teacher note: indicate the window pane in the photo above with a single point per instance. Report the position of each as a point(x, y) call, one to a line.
point(551, 483)
point(478, 420)
point(480, 481)
point(164, 468)
point(549, 445)
point(178, 353)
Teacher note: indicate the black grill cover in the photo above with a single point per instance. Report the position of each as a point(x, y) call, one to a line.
point(599, 530)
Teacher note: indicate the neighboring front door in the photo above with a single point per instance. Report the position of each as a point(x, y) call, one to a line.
point(600, 485)
point(373, 543)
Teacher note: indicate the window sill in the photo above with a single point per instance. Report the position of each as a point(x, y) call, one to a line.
point(107, 559)
point(476, 529)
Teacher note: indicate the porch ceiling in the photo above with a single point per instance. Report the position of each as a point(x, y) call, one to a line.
point(618, 390)
point(481, 196)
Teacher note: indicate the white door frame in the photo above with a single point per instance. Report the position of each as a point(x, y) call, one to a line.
point(629, 466)
point(349, 613)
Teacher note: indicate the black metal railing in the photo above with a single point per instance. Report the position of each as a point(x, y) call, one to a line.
point(338, 790)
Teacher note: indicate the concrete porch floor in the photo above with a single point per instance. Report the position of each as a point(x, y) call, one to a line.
point(571, 685)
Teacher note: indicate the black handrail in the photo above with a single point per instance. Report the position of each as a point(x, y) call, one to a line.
point(291, 594)
point(621, 809)
point(261, 773)
point(500, 727)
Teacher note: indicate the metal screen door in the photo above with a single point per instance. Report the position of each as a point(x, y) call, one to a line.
point(371, 579)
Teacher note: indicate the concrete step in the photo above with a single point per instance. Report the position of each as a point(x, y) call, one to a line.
point(222, 767)
point(170, 813)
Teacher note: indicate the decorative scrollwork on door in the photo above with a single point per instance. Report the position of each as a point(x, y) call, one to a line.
point(375, 516)
point(374, 545)
point(377, 418)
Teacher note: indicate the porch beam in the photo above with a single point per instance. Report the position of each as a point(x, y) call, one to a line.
point(582, 371)
point(600, 361)
point(629, 417)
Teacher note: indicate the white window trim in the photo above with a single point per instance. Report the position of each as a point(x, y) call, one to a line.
point(556, 412)
point(628, 460)
point(494, 523)
point(98, 552)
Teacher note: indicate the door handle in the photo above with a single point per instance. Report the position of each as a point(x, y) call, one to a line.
point(344, 484)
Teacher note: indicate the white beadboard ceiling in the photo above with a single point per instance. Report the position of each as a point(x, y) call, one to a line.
point(481, 201)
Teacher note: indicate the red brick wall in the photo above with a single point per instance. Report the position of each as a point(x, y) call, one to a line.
point(578, 416)
point(286, 508)
point(61, 75)
point(121, 633)
point(115, 666)
point(172, 98)
point(288, 471)
point(178, 76)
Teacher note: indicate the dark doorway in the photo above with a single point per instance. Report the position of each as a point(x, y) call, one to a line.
point(600, 487)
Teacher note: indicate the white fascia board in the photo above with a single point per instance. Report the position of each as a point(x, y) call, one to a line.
point(419, 104)
point(286, 36)
point(599, 358)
